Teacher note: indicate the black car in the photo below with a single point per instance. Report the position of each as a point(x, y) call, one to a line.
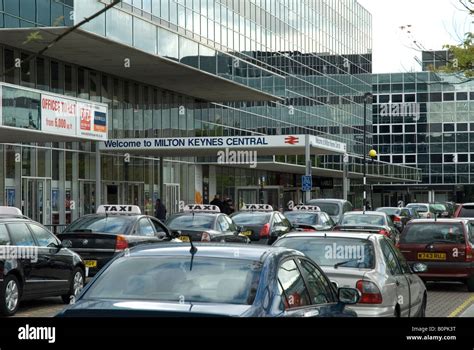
point(212, 280)
point(114, 228)
point(206, 223)
point(33, 263)
point(309, 218)
point(261, 223)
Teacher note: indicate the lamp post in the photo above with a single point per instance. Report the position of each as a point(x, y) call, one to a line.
point(367, 96)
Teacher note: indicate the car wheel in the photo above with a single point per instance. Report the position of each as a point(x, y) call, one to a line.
point(76, 285)
point(10, 296)
point(470, 284)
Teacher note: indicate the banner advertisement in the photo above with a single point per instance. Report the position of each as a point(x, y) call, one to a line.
point(92, 121)
point(58, 115)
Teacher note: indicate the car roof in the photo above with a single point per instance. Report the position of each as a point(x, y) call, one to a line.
point(216, 250)
point(329, 200)
point(200, 213)
point(333, 234)
point(444, 220)
point(467, 204)
point(367, 212)
point(15, 218)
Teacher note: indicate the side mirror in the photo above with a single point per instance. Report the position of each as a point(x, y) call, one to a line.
point(65, 244)
point(419, 268)
point(348, 296)
point(175, 234)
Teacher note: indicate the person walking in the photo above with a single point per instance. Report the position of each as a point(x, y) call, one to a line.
point(217, 201)
point(160, 211)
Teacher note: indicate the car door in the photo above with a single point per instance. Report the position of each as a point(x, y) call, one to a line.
point(58, 265)
point(415, 284)
point(396, 289)
point(144, 232)
point(162, 232)
point(294, 299)
point(35, 266)
point(321, 292)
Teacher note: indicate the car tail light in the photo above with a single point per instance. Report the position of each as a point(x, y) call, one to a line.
point(370, 293)
point(265, 231)
point(469, 252)
point(309, 230)
point(205, 237)
point(121, 243)
point(384, 232)
point(396, 219)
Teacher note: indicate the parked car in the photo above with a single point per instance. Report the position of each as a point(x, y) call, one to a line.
point(440, 210)
point(101, 236)
point(425, 210)
point(465, 210)
point(261, 223)
point(370, 221)
point(371, 263)
point(400, 216)
point(212, 280)
point(451, 208)
point(335, 208)
point(309, 218)
point(33, 263)
point(206, 223)
point(445, 245)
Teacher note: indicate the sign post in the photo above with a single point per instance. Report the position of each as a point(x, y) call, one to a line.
point(307, 181)
point(345, 177)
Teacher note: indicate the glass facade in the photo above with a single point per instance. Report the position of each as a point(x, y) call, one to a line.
point(426, 120)
point(313, 56)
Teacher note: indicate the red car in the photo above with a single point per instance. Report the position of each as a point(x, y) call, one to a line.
point(446, 246)
point(465, 210)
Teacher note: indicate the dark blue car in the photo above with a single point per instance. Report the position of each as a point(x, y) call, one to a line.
point(212, 280)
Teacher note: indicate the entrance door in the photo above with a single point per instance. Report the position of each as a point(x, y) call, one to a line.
point(87, 198)
point(111, 194)
point(36, 199)
point(267, 195)
point(172, 198)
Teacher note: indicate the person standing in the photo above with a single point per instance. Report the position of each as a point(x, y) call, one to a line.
point(217, 201)
point(160, 211)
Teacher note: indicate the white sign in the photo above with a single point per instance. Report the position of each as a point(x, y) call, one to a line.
point(119, 209)
point(257, 207)
point(58, 115)
point(306, 208)
point(202, 207)
point(92, 120)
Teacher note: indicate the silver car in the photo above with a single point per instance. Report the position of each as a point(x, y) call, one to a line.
point(371, 263)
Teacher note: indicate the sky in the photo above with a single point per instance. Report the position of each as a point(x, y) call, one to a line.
point(429, 23)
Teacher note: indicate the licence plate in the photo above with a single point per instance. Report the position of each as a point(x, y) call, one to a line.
point(432, 256)
point(247, 233)
point(184, 238)
point(90, 263)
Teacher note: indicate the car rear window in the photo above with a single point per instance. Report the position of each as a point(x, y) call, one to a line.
point(362, 219)
point(251, 218)
point(389, 211)
point(191, 222)
point(467, 211)
point(302, 218)
point(329, 251)
point(419, 208)
point(102, 224)
point(425, 233)
point(173, 279)
point(329, 208)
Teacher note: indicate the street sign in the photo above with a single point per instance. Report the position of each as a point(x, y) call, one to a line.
point(306, 183)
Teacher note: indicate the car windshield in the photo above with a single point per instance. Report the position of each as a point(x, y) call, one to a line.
point(329, 251)
point(467, 211)
point(425, 233)
point(102, 224)
point(166, 278)
point(329, 208)
point(362, 219)
point(390, 211)
point(302, 218)
point(418, 207)
point(251, 218)
point(191, 222)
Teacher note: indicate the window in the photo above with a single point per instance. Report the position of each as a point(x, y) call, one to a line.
point(21, 235)
point(390, 258)
point(4, 238)
point(145, 228)
point(158, 227)
point(223, 224)
point(44, 238)
point(401, 259)
point(292, 286)
point(318, 286)
point(232, 225)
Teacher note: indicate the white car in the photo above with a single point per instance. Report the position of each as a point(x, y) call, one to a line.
point(371, 263)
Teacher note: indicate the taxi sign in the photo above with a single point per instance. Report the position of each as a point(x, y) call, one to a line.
point(306, 208)
point(207, 208)
point(257, 207)
point(119, 209)
point(10, 211)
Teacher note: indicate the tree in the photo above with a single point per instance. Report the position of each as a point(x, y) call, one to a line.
point(463, 53)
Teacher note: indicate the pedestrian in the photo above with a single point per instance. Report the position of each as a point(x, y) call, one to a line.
point(217, 201)
point(160, 211)
point(227, 206)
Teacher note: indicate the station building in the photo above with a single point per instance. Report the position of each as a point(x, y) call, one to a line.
point(162, 71)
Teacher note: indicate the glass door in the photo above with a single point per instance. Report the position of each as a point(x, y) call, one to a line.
point(172, 198)
point(36, 199)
